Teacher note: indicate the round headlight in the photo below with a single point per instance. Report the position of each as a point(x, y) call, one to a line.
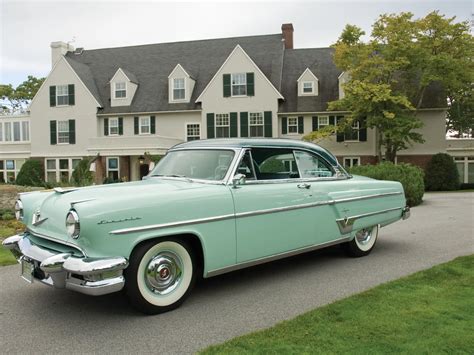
point(19, 210)
point(72, 224)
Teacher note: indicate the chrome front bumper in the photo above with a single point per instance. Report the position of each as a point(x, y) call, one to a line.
point(91, 276)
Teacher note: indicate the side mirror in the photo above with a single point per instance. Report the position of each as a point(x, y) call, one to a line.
point(238, 179)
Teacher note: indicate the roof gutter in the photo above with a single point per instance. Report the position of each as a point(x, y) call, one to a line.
point(144, 113)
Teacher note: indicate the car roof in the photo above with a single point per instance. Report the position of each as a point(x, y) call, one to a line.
point(258, 143)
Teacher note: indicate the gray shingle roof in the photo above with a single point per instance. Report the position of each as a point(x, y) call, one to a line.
point(320, 62)
point(151, 65)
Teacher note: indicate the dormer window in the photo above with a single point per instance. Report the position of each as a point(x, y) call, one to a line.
point(120, 90)
point(308, 87)
point(239, 84)
point(179, 89)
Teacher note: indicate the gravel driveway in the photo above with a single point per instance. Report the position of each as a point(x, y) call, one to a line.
point(42, 320)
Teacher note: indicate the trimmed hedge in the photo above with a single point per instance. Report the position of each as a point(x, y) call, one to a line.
point(410, 176)
point(442, 174)
point(31, 174)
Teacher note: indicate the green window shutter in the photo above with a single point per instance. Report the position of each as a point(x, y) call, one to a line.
point(106, 126)
point(244, 124)
point(210, 125)
point(152, 124)
point(340, 135)
point(136, 122)
point(300, 124)
point(250, 84)
point(267, 122)
point(72, 131)
point(52, 96)
point(71, 97)
point(120, 122)
point(332, 120)
point(53, 132)
point(284, 125)
point(362, 130)
point(315, 123)
point(233, 124)
point(226, 80)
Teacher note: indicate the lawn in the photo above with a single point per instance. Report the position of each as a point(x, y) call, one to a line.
point(7, 229)
point(429, 312)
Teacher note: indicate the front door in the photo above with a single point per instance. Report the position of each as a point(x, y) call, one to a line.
point(144, 170)
point(268, 218)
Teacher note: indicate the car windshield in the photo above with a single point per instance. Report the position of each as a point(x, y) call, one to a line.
point(203, 164)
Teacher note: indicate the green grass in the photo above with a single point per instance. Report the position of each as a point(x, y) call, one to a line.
point(7, 229)
point(428, 312)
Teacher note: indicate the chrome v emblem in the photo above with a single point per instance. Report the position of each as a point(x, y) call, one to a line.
point(38, 222)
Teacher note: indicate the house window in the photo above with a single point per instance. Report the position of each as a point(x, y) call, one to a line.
point(193, 131)
point(308, 87)
point(256, 124)
point(144, 125)
point(323, 121)
point(1, 132)
point(222, 125)
point(349, 162)
point(113, 126)
point(178, 89)
point(16, 132)
point(120, 90)
point(25, 131)
point(293, 125)
point(63, 132)
point(239, 84)
point(113, 169)
point(9, 169)
point(62, 95)
point(352, 134)
point(465, 167)
point(60, 169)
point(8, 131)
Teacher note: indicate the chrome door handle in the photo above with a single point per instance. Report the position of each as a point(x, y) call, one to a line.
point(304, 186)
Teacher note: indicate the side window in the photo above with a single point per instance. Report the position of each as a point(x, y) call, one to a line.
point(246, 166)
point(272, 164)
point(311, 166)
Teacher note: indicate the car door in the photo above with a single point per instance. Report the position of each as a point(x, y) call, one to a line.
point(269, 217)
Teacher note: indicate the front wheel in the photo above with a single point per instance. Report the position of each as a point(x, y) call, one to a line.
point(160, 276)
point(363, 242)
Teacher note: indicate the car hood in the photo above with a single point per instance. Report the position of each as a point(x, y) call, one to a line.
point(106, 203)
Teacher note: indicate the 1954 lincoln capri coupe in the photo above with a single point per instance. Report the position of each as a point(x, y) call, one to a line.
point(209, 207)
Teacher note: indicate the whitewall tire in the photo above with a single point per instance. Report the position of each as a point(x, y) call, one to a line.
point(363, 242)
point(160, 276)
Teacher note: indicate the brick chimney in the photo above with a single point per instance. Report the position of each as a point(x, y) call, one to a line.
point(58, 49)
point(287, 32)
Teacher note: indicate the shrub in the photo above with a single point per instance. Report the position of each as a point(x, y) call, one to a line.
point(31, 174)
point(410, 176)
point(81, 176)
point(8, 216)
point(441, 173)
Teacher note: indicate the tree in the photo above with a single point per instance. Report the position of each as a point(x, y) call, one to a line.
point(391, 73)
point(460, 120)
point(15, 100)
point(31, 173)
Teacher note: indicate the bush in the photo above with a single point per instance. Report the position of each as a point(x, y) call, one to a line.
point(442, 174)
point(7, 214)
point(81, 176)
point(410, 176)
point(31, 174)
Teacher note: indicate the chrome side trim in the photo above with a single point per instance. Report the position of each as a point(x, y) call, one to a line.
point(72, 203)
point(245, 214)
point(39, 235)
point(345, 224)
point(275, 257)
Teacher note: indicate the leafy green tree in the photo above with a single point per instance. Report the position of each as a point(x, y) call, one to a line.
point(460, 120)
point(31, 174)
point(390, 74)
point(82, 176)
point(14, 100)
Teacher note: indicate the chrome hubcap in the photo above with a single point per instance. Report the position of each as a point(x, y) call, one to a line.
point(164, 273)
point(364, 236)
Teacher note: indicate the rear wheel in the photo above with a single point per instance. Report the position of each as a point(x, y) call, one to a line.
point(363, 242)
point(160, 276)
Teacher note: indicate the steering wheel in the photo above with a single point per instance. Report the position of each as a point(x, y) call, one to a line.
point(220, 172)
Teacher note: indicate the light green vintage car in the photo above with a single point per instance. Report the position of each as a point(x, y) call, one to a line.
point(209, 207)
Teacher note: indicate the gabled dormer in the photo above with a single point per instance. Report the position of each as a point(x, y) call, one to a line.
point(343, 78)
point(123, 86)
point(308, 84)
point(180, 85)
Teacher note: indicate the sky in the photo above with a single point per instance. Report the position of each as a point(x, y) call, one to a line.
point(28, 27)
